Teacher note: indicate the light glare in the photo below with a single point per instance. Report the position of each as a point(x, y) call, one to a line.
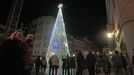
point(60, 5)
point(109, 35)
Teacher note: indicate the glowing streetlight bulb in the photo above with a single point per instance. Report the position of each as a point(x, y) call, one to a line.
point(60, 5)
point(73, 55)
point(110, 52)
point(109, 35)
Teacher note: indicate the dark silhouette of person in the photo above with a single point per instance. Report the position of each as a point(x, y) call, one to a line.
point(68, 65)
point(79, 63)
point(44, 64)
point(11, 54)
point(117, 63)
point(72, 65)
point(124, 61)
point(106, 64)
point(91, 60)
point(50, 64)
point(37, 64)
point(64, 65)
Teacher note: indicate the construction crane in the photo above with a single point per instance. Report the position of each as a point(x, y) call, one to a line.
point(14, 15)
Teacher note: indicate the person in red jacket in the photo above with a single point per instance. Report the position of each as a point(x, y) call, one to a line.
point(27, 54)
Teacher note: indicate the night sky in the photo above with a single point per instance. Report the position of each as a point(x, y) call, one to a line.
point(82, 17)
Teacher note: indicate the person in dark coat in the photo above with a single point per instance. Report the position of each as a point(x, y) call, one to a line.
point(124, 62)
point(50, 64)
point(11, 55)
point(79, 63)
point(43, 64)
point(68, 65)
point(117, 63)
point(64, 65)
point(72, 65)
point(37, 64)
point(106, 64)
point(91, 60)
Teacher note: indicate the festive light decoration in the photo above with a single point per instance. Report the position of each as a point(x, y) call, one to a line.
point(58, 43)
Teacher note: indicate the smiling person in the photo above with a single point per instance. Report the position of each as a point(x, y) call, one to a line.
point(27, 40)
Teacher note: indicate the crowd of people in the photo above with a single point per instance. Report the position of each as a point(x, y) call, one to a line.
point(16, 53)
point(93, 63)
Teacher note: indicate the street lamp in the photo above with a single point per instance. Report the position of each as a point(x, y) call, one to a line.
point(109, 35)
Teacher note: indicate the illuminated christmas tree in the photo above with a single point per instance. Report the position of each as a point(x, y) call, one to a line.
point(58, 42)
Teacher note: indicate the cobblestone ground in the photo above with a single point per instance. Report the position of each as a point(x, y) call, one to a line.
point(46, 72)
point(85, 72)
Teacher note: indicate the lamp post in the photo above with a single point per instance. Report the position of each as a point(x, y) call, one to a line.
point(109, 35)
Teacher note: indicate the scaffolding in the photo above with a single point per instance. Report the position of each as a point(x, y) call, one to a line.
point(14, 15)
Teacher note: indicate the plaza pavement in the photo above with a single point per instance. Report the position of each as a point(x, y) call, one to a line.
point(85, 72)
